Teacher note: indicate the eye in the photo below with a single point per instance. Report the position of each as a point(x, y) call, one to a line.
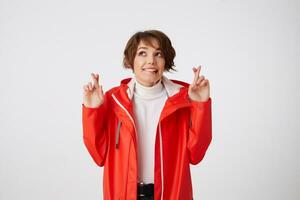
point(142, 53)
point(159, 54)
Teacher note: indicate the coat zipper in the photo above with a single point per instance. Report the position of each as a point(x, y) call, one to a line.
point(160, 138)
point(130, 117)
point(161, 161)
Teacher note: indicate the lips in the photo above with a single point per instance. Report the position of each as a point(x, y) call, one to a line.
point(150, 70)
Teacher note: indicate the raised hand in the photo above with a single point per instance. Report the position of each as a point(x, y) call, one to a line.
point(199, 89)
point(92, 93)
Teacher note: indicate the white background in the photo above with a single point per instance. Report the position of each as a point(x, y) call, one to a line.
point(249, 51)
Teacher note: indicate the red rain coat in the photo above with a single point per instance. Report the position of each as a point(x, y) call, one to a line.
point(183, 135)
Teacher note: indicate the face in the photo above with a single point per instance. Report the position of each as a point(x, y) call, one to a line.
point(149, 63)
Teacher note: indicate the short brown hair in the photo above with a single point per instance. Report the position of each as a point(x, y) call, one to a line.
point(164, 44)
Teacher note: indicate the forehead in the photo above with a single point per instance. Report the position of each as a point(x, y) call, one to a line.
point(149, 43)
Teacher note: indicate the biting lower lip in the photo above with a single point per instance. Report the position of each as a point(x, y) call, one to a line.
point(150, 70)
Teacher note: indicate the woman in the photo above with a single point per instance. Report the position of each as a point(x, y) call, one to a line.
point(147, 131)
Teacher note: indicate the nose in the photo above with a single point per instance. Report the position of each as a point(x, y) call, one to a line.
point(150, 59)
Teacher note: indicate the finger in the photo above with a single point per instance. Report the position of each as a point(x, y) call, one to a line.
point(95, 80)
point(196, 72)
point(199, 69)
point(90, 86)
point(97, 77)
point(204, 83)
point(85, 88)
point(193, 88)
point(201, 78)
point(101, 90)
point(194, 81)
point(195, 76)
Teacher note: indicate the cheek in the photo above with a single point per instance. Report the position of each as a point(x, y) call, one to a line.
point(136, 65)
point(162, 65)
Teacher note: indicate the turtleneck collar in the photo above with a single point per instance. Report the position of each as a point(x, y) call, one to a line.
point(171, 87)
point(148, 92)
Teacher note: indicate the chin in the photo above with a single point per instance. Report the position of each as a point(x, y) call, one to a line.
point(154, 82)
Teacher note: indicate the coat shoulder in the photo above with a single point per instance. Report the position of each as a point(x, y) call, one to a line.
point(113, 90)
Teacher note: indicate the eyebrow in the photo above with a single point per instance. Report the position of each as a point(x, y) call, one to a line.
point(147, 48)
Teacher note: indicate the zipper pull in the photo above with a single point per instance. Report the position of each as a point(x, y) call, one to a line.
point(118, 134)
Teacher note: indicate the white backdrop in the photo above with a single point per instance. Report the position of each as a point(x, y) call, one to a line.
point(249, 51)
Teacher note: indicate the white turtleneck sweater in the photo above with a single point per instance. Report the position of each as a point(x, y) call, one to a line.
point(148, 103)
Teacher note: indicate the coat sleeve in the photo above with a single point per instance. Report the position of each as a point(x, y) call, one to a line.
point(200, 131)
point(95, 135)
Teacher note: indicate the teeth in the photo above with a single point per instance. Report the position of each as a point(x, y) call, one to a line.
point(150, 70)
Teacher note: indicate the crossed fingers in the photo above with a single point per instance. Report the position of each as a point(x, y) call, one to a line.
point(198, 80)
point(91, 86)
